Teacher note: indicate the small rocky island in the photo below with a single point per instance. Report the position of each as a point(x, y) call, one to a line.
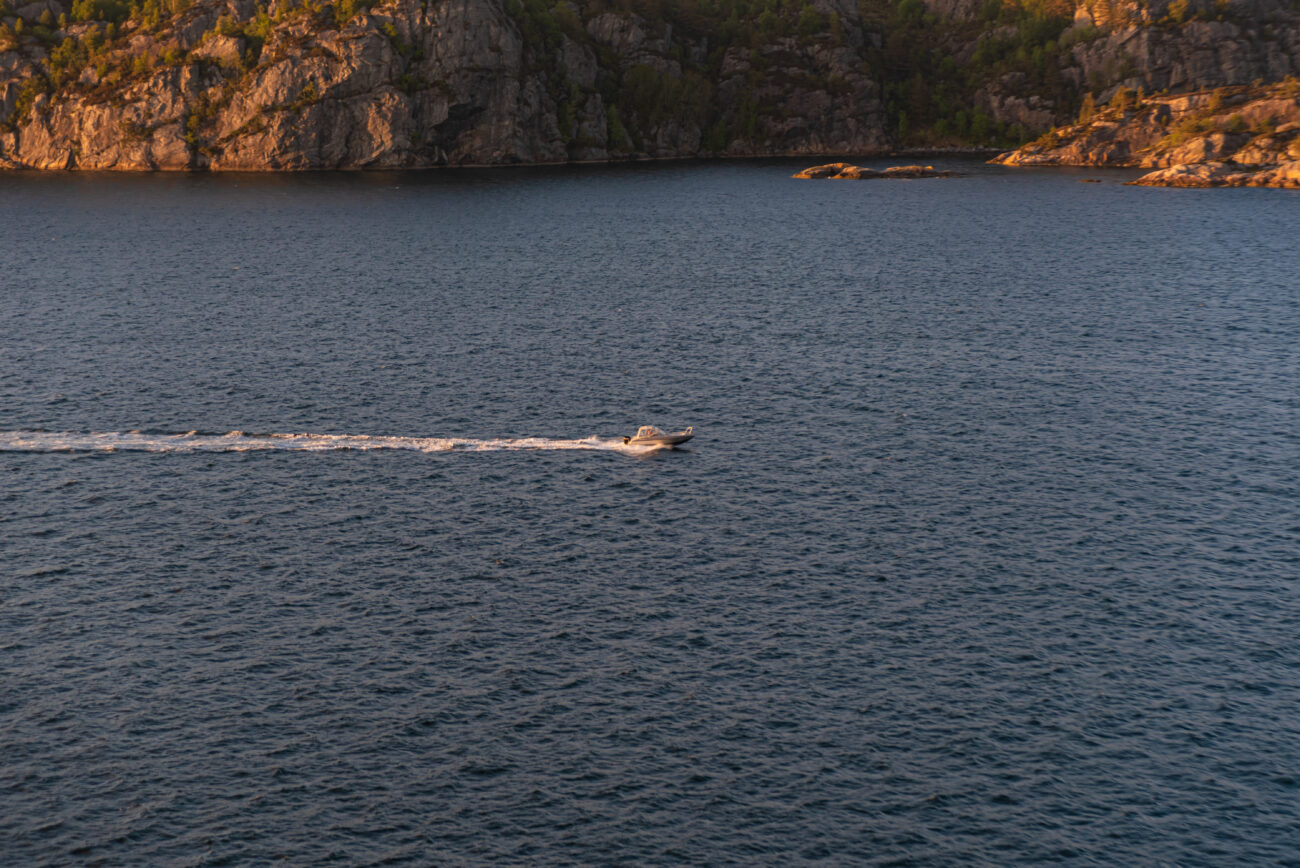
point(842, 171)
point(1245, 136)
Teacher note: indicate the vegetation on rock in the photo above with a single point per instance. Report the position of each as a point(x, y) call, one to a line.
point(1231, 136)
point(328, 83)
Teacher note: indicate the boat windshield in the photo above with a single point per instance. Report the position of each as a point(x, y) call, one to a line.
point(648, 431)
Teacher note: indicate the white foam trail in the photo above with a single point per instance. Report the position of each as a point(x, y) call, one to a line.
point(238, 441)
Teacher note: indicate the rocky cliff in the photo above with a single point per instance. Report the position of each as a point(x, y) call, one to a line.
point(1231, 136)
point(1030, 66)
point(324, 84)
point(230, 84)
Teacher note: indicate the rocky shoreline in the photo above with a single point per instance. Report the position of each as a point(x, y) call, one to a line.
point(1217, 174)
point(1246, 136)
point(293, 85)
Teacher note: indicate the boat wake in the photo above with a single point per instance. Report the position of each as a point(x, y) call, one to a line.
point(239, 441)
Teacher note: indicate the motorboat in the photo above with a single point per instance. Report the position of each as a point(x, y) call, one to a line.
point(649, 435)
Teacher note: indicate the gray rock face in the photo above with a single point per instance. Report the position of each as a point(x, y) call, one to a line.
point(1157, 45)
point(1195, 56)
point(411, 84)
point(408, 83)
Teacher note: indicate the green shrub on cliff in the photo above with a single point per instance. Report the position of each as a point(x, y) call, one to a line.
point(1088, 110)
point(1180, 12)
point(65, 61)
point(537, 23)
point(256, 33)
point(308, 96)
point(1265, 126)
point(618, 139)
point(116, 11)
point(655, 97)
point(1080, 35)
point(811, 21)
point(1186, 129)
point(930, 99)
point(346, 10)
point(1123, 99)
point(148, 14)
point(27, 93)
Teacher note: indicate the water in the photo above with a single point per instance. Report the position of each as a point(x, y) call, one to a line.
point(319, 542)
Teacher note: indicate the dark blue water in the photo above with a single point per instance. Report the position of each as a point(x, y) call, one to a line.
point(987, 550)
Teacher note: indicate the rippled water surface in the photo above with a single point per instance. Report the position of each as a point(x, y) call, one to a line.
point(318, 541)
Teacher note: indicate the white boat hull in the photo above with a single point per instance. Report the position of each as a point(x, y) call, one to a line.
point(661, 439)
